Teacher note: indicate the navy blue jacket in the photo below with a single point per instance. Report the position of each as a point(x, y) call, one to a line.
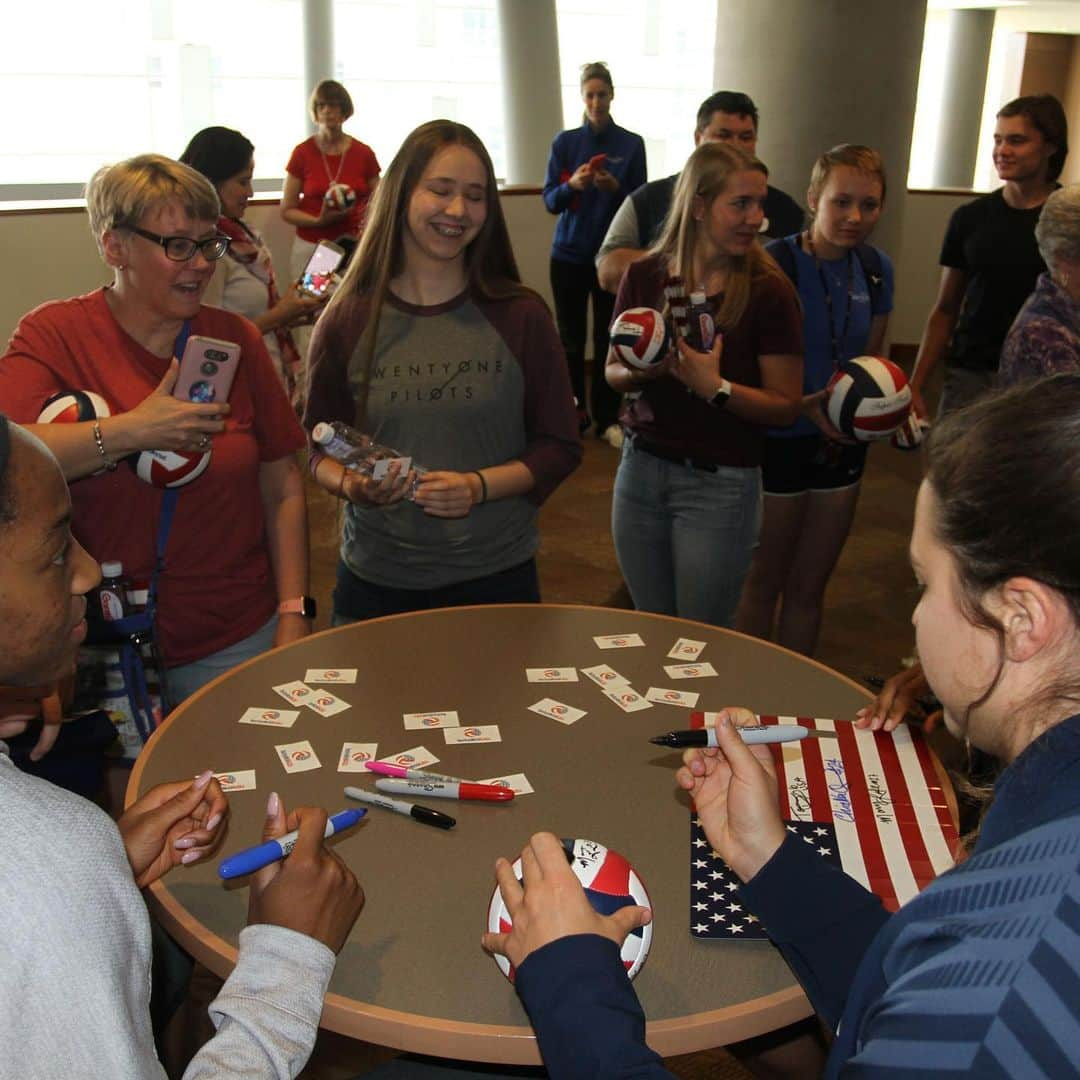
point(979, 975)
point(584, 216)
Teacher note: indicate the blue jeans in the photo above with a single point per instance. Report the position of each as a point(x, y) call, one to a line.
point(684, 536)
point(184, 680)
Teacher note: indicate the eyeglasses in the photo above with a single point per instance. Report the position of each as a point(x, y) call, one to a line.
point(182, 248)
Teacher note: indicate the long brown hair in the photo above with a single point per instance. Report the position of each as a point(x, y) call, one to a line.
point(706, 175)
point(489, 259)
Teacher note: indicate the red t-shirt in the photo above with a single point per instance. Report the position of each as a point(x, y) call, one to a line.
point(217, 586)
point(666, 415)
point(358, 170)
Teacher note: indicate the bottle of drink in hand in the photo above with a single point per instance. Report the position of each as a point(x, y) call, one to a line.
point(358, 451)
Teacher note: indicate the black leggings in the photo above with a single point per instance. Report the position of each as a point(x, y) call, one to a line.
point(571, 285)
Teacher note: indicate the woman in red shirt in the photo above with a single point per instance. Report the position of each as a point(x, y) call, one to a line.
point(329, 157)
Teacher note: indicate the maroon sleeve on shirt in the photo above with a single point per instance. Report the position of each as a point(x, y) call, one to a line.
point(552, 445)
point(329, 395)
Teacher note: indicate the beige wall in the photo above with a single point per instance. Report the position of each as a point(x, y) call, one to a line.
point(51, 255)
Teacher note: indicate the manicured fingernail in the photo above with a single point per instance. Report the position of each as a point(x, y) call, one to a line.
point(190, 857)
point(273, 804)
point(184, 843)
point(202, 780)
point(213, 822)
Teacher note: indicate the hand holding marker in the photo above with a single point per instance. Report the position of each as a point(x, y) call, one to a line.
point(255, 858)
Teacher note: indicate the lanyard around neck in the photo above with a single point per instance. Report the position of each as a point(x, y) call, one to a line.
point(837, 341)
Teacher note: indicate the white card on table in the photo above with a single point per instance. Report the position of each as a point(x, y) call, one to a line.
point(270, 717)
point(627, 698)
point(484, 733)
point(326, 704)
point(686, 649)
point(382, 466)
point(551, 674)
point(330, 675)
point(354, 755)
point(671, 697)
point(618, 641)
point(517, 782)
point(414, 721)
point(295, 692)
point(419, 757)
point(241, 780)
point(556, 710)
point(603, 675)
point(689, 671)
point(298, 756)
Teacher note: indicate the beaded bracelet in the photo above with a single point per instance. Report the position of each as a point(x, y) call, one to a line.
point(483, 486)
point(100, 444)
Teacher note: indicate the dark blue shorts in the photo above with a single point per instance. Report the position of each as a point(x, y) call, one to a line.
point(810, 463)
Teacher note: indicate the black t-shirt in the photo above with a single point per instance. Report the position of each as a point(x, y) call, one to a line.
point(994, 245)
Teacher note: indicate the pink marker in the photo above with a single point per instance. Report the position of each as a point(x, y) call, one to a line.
point(386, 769)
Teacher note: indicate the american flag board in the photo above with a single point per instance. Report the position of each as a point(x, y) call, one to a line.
point(870, 801)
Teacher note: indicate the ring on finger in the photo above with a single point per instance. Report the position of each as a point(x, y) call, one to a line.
point(204, 442)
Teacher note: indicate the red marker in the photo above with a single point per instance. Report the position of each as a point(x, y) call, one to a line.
point(440, 789)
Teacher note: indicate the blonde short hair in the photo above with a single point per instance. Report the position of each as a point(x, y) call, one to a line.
point(864, 159)
point(122, 194)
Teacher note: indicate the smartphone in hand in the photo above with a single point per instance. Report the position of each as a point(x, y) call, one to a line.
point(207, 369)
point(319, 272)
point(597, 162)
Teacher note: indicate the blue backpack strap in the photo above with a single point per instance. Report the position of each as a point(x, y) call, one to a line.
point(784, 254)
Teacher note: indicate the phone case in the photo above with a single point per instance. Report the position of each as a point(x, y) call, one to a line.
point(207, 369)
point(319, 272)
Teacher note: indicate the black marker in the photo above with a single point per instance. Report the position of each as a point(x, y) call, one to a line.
point(761, 733)
point(422, 814)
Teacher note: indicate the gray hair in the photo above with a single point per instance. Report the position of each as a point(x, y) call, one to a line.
point(1058, 229)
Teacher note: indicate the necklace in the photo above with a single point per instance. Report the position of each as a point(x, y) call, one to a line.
point(341, 161)
point(837, 341)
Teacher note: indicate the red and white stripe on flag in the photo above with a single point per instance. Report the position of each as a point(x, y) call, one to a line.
point(881, 793)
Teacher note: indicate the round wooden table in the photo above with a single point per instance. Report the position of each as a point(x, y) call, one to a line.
point(413, 975)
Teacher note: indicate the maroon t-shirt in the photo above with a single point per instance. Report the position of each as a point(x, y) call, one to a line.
point(667, 414)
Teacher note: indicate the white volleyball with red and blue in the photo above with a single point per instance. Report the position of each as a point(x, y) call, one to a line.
point(170, 468)
point(610, 883)
point(340, 197)
point(74, 407)
point(868, 398)
point(640, 337)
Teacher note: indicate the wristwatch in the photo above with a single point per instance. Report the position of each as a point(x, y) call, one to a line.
point(720, 398)
point(300, 605)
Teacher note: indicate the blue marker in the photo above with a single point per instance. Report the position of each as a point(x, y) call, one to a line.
point(255, 858)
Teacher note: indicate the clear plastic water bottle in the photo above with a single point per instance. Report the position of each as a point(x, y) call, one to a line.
point(112, 592)
point(358, 451)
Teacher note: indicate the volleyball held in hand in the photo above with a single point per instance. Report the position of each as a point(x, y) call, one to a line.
point(610, 883)
point(340, 197)
point(868, 398)
point(170, 468)
point(640, 337)
point(74, 407)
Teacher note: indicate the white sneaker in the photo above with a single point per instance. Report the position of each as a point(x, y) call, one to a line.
point(613, 436)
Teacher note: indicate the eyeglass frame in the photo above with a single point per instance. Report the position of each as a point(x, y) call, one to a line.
point(199, 245)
